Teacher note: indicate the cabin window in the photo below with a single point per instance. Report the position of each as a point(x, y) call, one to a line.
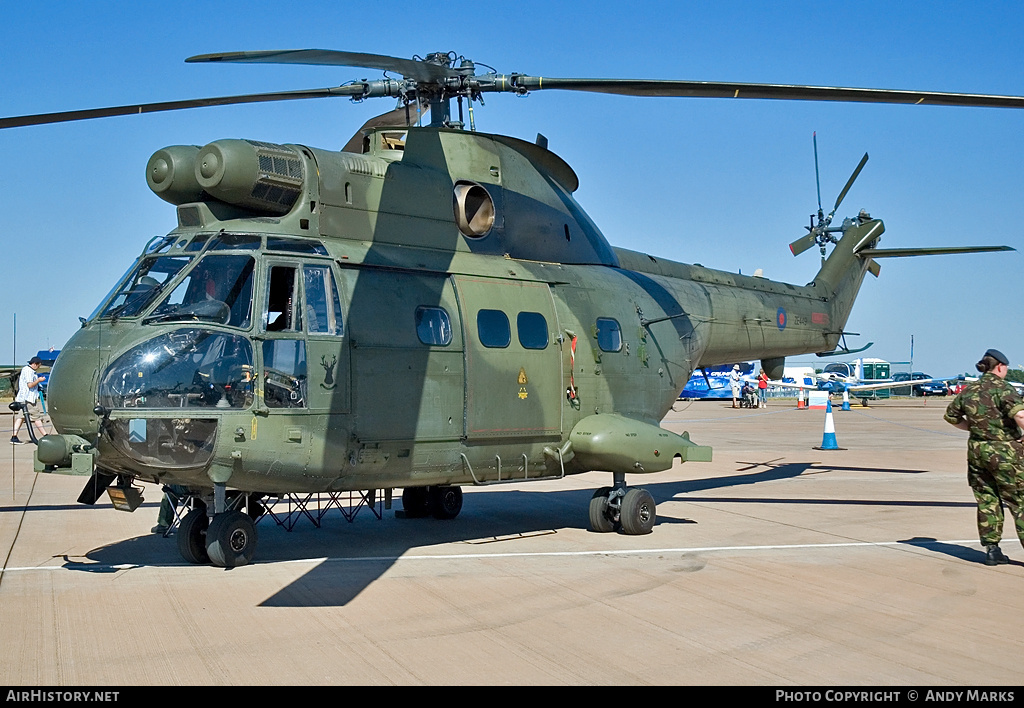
point(533, 330)
point(284, 373)
point(609, 335)
point(284, 301)
point(433, 326)
point(218, 289)
point(323, 306)
point(493, 328)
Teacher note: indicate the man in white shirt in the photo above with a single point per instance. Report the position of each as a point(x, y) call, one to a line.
point(28, 395)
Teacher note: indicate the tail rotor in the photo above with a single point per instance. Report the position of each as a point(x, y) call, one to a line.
point(821, 232)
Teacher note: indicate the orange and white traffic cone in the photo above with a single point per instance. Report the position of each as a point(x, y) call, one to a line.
point(800, 401)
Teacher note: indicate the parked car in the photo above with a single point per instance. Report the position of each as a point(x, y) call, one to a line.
point(931, 388)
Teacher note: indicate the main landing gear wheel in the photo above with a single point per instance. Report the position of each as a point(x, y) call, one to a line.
point(231, 539)
point(600, 514)
point(416, 502)
point(192, 536)
point(446, 501)
point(637, 512)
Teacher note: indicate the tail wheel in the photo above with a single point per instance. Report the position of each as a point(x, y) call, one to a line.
point(637, 513)
point(231, 539)
point(192, 536)
point(446, 501)
point(600, 516)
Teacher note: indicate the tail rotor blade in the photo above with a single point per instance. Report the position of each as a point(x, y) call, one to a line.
point(817, 177)
point(802, 244)
point(842, 194)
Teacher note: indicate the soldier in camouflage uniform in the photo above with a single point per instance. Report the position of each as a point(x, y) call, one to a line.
point(991, 410)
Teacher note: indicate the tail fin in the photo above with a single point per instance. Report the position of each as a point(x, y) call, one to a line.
point(842, 273)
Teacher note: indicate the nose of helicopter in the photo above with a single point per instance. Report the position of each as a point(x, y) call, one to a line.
point(71, 390)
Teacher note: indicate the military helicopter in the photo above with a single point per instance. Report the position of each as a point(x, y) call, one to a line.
point(427, 308)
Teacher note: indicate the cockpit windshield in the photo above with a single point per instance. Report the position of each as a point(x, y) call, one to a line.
point(217, 289)
point(143, 284)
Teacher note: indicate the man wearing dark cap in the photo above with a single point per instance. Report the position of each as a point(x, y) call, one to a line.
point(28, 395)
point(992, 411)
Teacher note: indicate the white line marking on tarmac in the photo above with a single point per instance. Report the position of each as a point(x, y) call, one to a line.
point(541, 554)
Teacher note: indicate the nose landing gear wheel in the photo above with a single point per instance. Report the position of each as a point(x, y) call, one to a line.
point(192, 536)
point(600, 518)
point(231, 539)
point(637, 513)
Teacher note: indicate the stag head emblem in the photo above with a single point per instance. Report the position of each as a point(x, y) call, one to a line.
point(328, 383)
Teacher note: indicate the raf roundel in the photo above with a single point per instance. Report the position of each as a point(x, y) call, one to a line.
point(780, 318)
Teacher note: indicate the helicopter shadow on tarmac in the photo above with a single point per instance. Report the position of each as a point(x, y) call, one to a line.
point(493, 516)
point(487, 518)
point(353, 555)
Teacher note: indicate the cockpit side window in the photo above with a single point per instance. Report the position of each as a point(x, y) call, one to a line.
point(323, 306)
point(284, 300)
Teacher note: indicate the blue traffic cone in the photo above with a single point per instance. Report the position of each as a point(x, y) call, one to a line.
point(846, 400)
point(828, 440)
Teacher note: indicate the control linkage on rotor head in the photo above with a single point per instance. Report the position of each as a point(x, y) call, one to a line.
point(820, 233)
point(444, 77)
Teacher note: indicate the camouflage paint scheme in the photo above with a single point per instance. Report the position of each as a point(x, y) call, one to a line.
point(995, 453)
point(403, 413)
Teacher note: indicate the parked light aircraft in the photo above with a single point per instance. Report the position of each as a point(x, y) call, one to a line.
point(854, 384)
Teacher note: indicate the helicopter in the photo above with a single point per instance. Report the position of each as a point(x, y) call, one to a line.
point(425, 309)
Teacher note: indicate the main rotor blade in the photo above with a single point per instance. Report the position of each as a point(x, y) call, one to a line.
point(721, 89)
point(849, 182)
point(409, 68)
point(88, 114)
point(940, 251)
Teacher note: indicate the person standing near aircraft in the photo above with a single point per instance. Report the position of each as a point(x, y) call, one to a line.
point(762, 389)
point(992, 411)
point(28, 394)
point(734, 383)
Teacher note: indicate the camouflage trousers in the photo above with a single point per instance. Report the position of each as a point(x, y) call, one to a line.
point(173, 494)
point(995, 471)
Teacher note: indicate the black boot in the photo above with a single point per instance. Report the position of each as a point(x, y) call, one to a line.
point(994, 556)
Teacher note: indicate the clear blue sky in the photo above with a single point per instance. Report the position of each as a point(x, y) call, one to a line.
point(724, 183)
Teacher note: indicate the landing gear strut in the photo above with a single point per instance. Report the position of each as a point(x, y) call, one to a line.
point(619, 508)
